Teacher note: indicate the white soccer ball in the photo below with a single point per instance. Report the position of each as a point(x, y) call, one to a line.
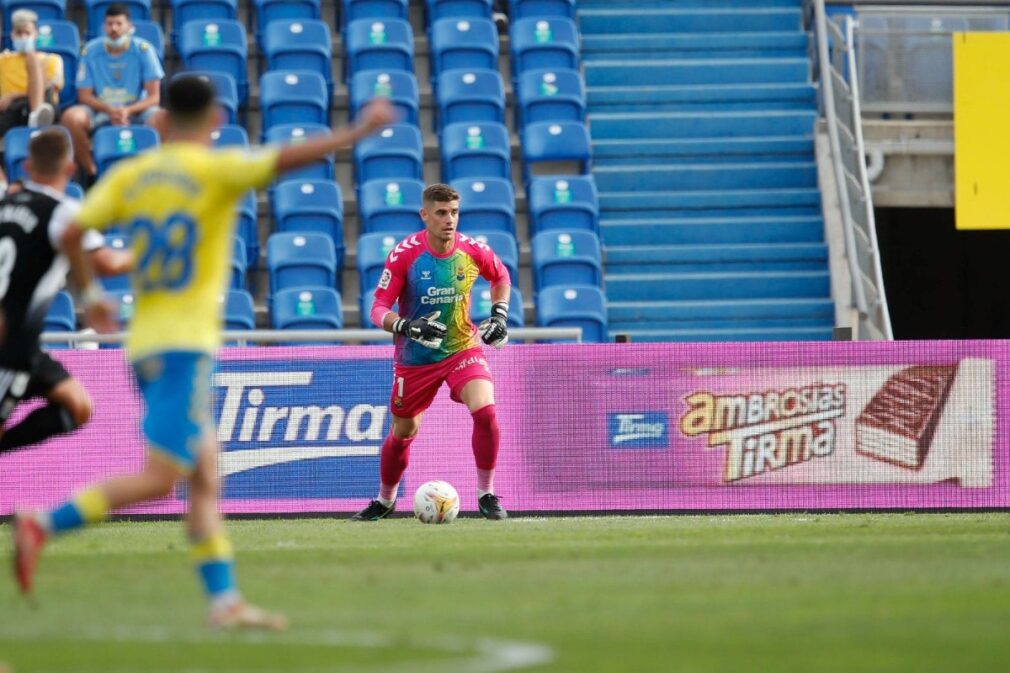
point(436, 502)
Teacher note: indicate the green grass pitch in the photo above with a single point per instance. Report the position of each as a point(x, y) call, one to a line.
point(845, 593)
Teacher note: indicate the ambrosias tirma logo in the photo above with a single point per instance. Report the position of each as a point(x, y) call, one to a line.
point(766, 430)
point(638, 430)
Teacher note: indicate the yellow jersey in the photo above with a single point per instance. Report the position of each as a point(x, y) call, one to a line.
point(14, 72)
point(178, 203)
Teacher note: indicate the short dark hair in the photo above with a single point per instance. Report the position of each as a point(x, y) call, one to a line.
point(49, 151)
point(440, 193)
point(188, 98)
point(117, 9)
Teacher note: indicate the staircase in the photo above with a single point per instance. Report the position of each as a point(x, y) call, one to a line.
point(702, 115)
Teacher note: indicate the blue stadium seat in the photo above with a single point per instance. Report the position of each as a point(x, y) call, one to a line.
point(550, 43)
point(239, 263)
point(62, 37)
point(300, 44)
point(504, 245)
point(463, 43)
point(95, 9)
point(551, 96)
point(399, 86)
point(61, 316)
point(230, 135)
point(372, 250)
point(457, 9)
point(15, 146)
point(217, 45)
point(151, 31)
point(470, 96)
point(574, 306)
point(378, 44)
point(480, 304)
point(298, 260)
point(309, 206)
point(247, 229)
point(239, 311)
point(286, 133)
point(556, 143)
point(353, 10)
point(390, 205)
point(48, 10)
point(524, 9)
point(487, 204)
point(225, 88)
point(112, 143)
point(120, 281)
point(123, 301)
point(566, 203)
point(566, 258)
point(306, 308)
point(268, 11)
point(74, 190)
point(475, 151)
point(293, 97)
point(205, 11)
point(395, 152)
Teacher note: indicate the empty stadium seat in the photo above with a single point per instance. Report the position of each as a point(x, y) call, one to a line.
point(353, 10)
point(395, 152)
point(239, 263)
point(268, 11)
point(217, 45)
point(15, 147)
point(184, 11)
point(399, 86)
point(300, 44)
point(230, 135)
point(62, 37)
point(112, 143)
point(566, 258)
point(550, 43)
point(123, 301)
point(372, 250)
point(463, 43)
point(294, 133)
point(306, 308)
point(95, 9)
point(390, 205)
point(309, 206)
point(568, 203)
point(61, 316)
point(246, 227)
point(298, 97)
point(551, 96)
point(574, 306)
point(504, 245)
point(523, 9)
point(150, 31)
point(48, 10)
point(74, 190)
point(551, 147)
point(475, 151)
point(480, 304)
point(486, 205)
point(378, 44)
point(298, 260)
point(457, 9)
point(120, 281)
point(225, 88)
point(470, 96)
point(239, 311)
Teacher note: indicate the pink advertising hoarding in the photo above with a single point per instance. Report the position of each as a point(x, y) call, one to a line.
point(615, 427)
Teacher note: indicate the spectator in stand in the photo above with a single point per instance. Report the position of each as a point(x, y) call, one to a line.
point(118, 83)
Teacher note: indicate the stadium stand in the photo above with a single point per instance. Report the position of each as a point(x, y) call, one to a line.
point(389, 205)
point(309, 206)
point(476, 151)
point(574, 306)
point(466, 44)
point(63, 38)
point(550, 96)
point(321, 170)
point(306, 308)
point(230, 135)
point(112, 143)
point(239, 310)
point(293, 97)
point(504, 245)
point(457, 9)
point(540, 43)
point(395, 152)
point(16, 151)
point(555, 148)
point(208, 12)
point(47, 10)
point(140, 10)
point(524, 9)
point(152, 32)
point(486, 205)
point(480, 305)
point(470, 96)
point(239, 263)
point(399, 86)
point(568, 203)
point(352, 10)
point(371, 44)
point(216, 45)
point(302, 260)
point(247, 228)
point(300, 44)
point(566, 258)
point(227, 92)
point(61, 316)
point(268, 11)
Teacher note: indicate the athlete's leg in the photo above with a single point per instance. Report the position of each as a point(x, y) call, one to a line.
point(396, 456)
point(69, 406)
point(478, 396)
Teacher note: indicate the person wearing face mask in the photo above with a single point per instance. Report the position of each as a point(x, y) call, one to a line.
point(118, 83)
point(30, 80)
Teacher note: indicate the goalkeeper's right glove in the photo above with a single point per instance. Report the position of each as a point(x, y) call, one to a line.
point(425, 330)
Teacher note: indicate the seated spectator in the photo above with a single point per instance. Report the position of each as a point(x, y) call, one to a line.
point(118, 83)
point(30, 81)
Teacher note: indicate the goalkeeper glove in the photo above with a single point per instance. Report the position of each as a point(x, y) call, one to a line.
point(494, 331)
point(425, 330)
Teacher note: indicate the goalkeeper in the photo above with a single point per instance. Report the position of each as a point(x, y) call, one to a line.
point(429, 275)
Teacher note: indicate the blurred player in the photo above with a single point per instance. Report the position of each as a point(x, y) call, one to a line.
point(180, 201)
point(431, 274)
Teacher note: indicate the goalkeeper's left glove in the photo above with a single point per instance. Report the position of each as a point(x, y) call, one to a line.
point(494, 331)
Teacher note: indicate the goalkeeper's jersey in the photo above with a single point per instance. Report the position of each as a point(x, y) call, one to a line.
point(422, 281)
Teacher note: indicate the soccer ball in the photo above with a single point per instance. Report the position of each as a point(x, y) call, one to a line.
point(436, 502)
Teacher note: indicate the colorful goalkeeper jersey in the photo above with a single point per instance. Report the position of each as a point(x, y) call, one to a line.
point(422, 281)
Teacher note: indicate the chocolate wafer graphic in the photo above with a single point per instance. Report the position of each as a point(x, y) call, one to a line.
point(898, 424)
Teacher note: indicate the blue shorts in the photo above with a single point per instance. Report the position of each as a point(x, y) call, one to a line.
point(100, 119)
point(176, 387)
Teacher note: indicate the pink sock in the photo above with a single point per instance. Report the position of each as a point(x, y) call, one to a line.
point(486, 436)
point(392, 464)
point(485, 481)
